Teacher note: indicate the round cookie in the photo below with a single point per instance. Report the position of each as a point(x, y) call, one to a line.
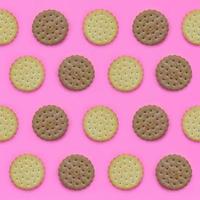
point(100, 123)
point(150, 27)
point(27, 73)
point(191, 123)
point(125, 73)
point(76, 73)
point(76, 172)
point(173, 73)
point(27, 172)
point(100, 27)
point(173, 172)
point(125, 172)
point(191, 27)
point(50, 122)
point(8, 123)
point(8, 27)
point(50, 27)
point(150, 122)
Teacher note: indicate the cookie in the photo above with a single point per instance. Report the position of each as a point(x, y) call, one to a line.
point(27, 172)
point(8, 27)
point(125, 172)
point(100, 123)
point(173, 73)
point(191, 27)
point(150, 122)
point(76, 172)
point(100, 27)
point(150, 27)
point(8, 123)
point(50, 27)
point(173, 172)
point(27, 73)
point(50, 122)
point(191, 123)
point(76, 73)
point(125, 73)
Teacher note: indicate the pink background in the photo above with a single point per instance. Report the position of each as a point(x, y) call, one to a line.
point(76, 103)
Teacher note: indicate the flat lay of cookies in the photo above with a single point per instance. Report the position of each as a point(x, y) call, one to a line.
point(99, 99)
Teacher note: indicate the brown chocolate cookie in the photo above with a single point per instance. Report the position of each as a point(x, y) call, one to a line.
point(173, 172)
point(173, 73)
point(50, 27)
point(50, 122)
point(76, 172)
point(150, 27)
point(76, 73)
point(150, 122)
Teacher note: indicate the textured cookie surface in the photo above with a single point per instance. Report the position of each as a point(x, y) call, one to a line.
point(125, 73)
point(27, 172)
point(76, 172)
point(191, 27)
point(173, 73)
point(100, 27)
point(8, 27)
point(50, 122)
point(27, 73)
point(100, 123)
point(150, 122)
point(8, 123)
point(173, 172)
point(50, 27)
point(150, 27)
point(76, 73)
point(125, 172)
point(191, 123)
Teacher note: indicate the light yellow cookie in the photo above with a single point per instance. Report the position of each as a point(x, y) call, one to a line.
point(191, 27)
point(8, 123)
point(27, 73)
point(125, 73)
point(100, 27)
point(100, 123)
point(125, 172)
point(27, 172)
point(191, 123)
point(8, 27)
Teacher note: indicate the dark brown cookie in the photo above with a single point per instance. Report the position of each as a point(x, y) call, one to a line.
point(173, 73)
point(150, 122)
point(50, 122)
point(50, 27)
point(150, 27)
point(76, 172)
point(76, 73)
point(173, 172)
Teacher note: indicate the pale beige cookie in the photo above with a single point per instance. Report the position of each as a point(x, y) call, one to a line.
point(100, 123)
point(125, 73)
point(100, 27)
point(125, 172)
point(27, 73)
point(191, 27)
point(191, 123)
point(27, 172)
point(8, 123)
point(8, 27)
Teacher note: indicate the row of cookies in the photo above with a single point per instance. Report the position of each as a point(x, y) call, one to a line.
point(76, 73)
point(100, 27)
point(77, 172)
point(100, 123)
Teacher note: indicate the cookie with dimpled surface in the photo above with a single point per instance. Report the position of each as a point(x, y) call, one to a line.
point(76, 172)
point(100, 27)
point(125, 172)
point(27, 172)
